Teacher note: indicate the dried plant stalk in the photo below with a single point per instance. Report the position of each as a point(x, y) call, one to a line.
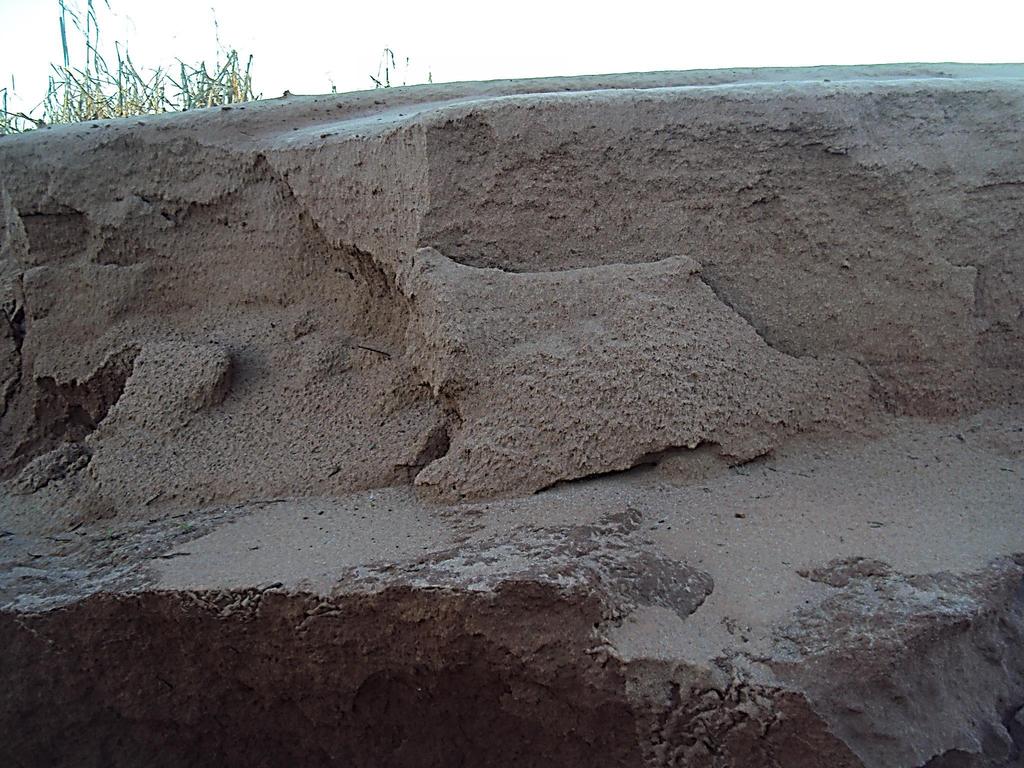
point(94, 91)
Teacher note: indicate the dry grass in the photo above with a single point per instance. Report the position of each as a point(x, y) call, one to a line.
point(97, 93)
point(15, 122)
point(228, 83)
point(94, 90)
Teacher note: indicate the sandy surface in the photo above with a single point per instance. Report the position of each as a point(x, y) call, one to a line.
point(925, 498)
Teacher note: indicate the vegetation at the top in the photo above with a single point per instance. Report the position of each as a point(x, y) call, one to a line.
point(95, 89)
point(89, 87)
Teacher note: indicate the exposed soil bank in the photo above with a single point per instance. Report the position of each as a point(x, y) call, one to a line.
point(640, 420)
point(264, 678)
point(491, 295)
point(433, 677)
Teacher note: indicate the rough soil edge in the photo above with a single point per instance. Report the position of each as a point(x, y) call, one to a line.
point(510, 678)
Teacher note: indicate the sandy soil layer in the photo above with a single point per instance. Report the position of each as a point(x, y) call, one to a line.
point(668, 419)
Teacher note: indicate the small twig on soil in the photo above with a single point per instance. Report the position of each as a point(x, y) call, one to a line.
point(371, 349)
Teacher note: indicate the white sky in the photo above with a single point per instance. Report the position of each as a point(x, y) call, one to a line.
point(304, 45)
